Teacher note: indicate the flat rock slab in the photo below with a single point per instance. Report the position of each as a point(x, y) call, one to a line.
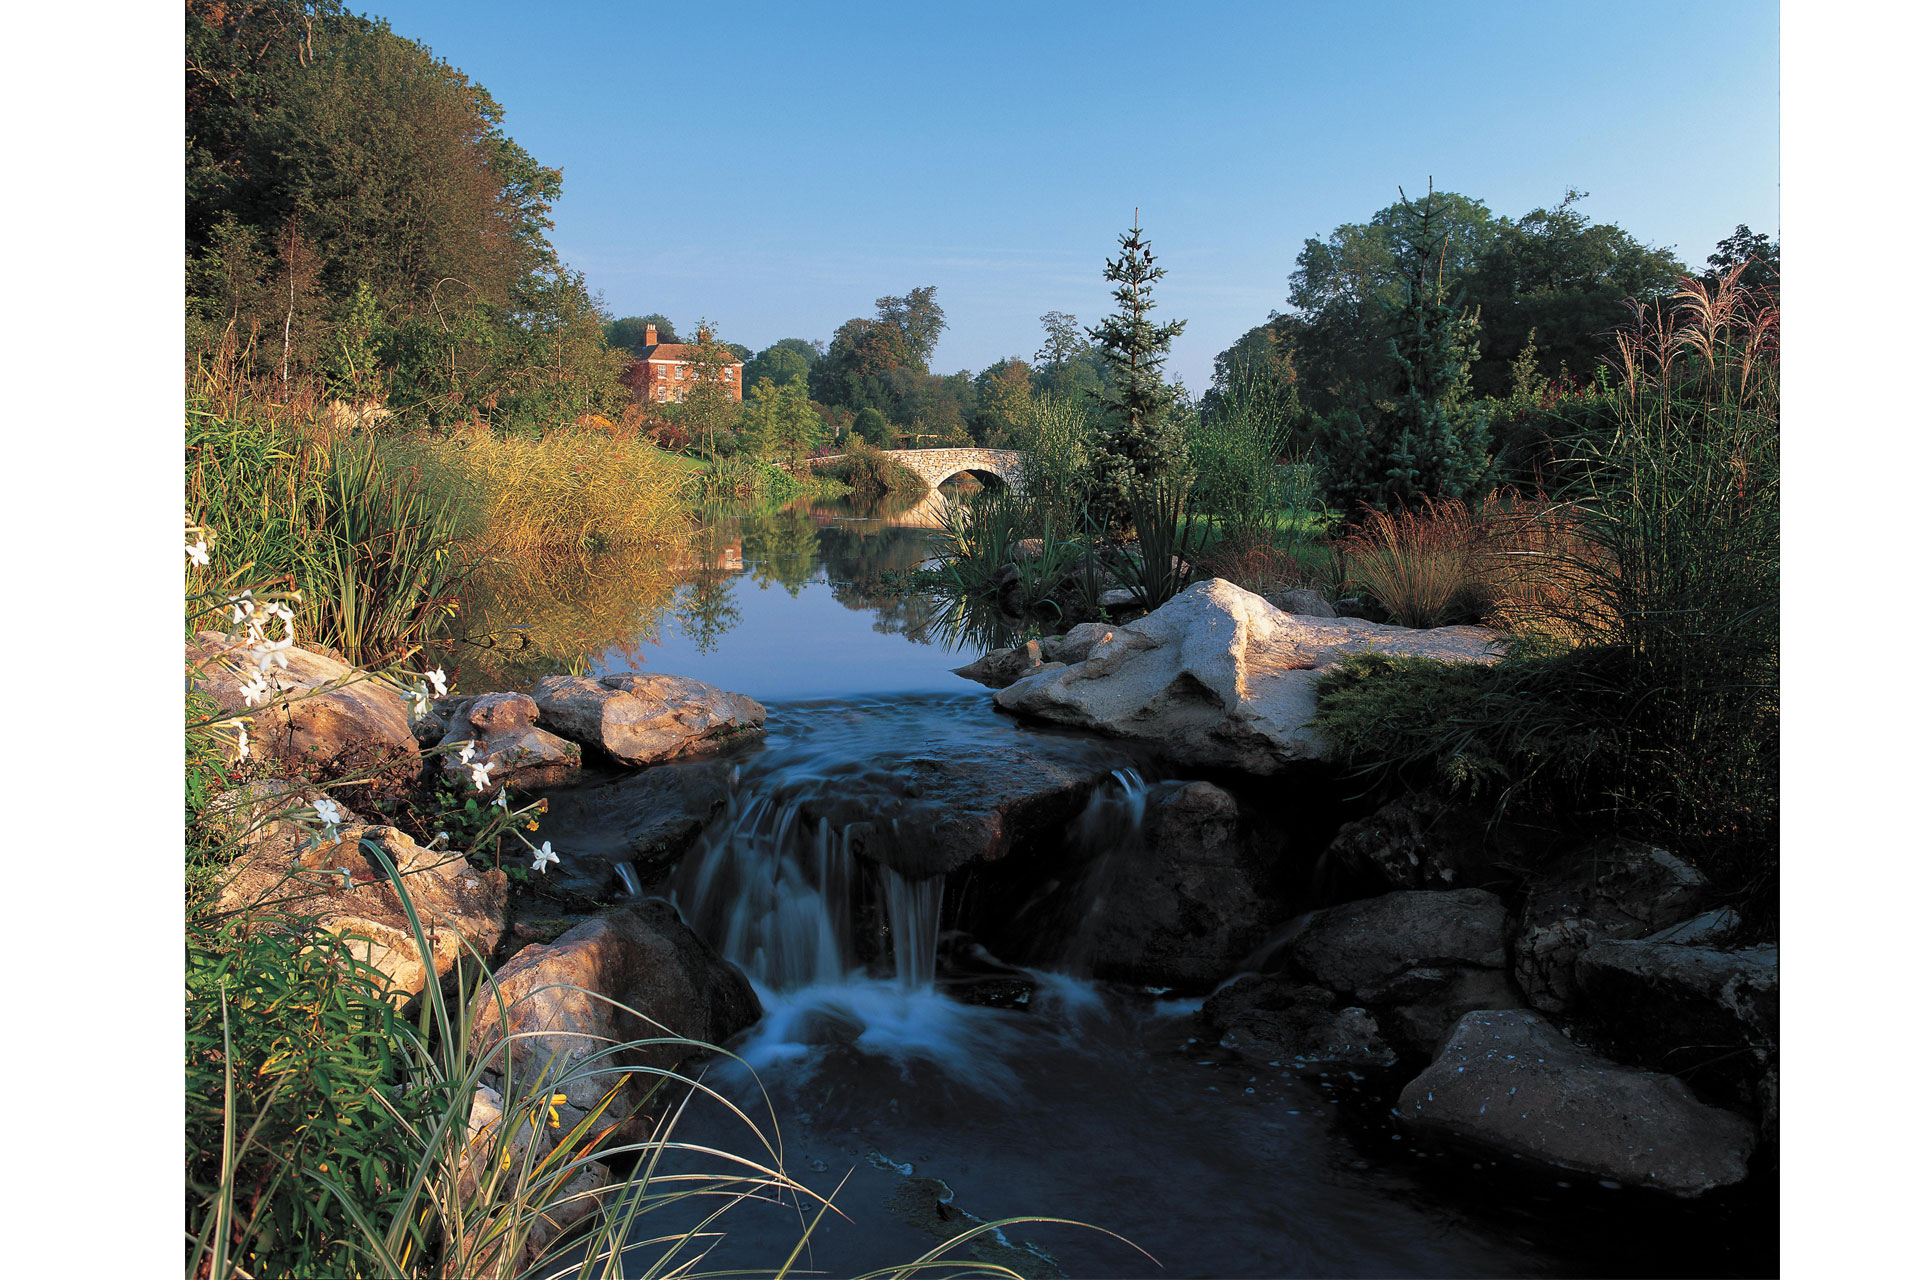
point(1616, 889)
point(932, 812)
point(1509, 1083)
point(641, 719)
point(648, 819)
point(1710, 1014)
point(1218, 677)
point(333, 720)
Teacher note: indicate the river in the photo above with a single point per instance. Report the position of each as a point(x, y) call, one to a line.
point(1094, 1102)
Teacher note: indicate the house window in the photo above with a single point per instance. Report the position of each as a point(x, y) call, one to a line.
point(679, 372)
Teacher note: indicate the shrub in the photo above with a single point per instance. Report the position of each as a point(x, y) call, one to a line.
point(869, 473)
point(568, 489)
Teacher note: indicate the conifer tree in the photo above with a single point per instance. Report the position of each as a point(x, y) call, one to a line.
point(1427, 440)
point(1135, 444)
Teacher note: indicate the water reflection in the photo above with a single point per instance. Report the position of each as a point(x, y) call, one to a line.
point(852, 620)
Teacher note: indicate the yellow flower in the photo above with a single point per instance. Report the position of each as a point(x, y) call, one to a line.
point(533, 826)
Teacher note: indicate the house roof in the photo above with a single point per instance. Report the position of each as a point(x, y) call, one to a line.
point(671, 351)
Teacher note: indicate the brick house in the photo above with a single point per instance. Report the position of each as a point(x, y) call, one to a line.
point(663, 371)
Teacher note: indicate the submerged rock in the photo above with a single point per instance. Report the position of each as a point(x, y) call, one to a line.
point(500, 727)
point(1617, 889)
point(1267, 1016)
point(343, 890)
point(1218, 677)
point(1507, 1082)
point(335, 721)
point(641, 719)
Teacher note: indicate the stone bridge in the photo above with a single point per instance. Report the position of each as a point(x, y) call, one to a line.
point(937, 466)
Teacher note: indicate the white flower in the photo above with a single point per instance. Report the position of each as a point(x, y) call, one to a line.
point(197, 553)
point(330, 812)
point(417, 700)
point(242, 606)
point(439, 677)
point(438, 837)
point(242, 726)
point(500, 801)
point(544, 855)
point(466, 752)
point(480, 779)
point(255, 688)
point(265, 655)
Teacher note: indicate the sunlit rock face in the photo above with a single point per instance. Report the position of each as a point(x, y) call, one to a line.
point(1219, 678)
point(643, 719)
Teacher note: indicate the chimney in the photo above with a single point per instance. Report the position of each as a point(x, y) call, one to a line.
point(653, 336)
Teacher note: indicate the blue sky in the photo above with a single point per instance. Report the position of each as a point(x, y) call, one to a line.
point(777, 167)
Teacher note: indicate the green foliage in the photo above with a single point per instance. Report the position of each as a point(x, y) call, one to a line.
point(629, 333)
point(1243, 448)
point(291, 1058)
point(359, 225)
point(780, 423)
point(787, 360)
point(708, 406)
point(1134, 445)
point(871, 426)
point(1429, 440)
point(385, 566)
point(1004, 396)
point(1162, 511)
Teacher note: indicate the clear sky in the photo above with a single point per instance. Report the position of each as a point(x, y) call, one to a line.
point(778, 167)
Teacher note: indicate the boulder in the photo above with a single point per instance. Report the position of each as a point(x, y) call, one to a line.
point(641, 719)
point(1219, 678)
point(1505, 1081)
point(327, 719)
point(1179, 904)
point(1029, 549)
point(1616, 889)
point(1117, 598)
point(1076, 644)
point(564, 1003)
point(1268, 1017)
point(1415, 842)
point(647, 820)
point(500, 727)
point(1708, 1015)
point(341, 888)
point(1303, 602)
point(1417, 959)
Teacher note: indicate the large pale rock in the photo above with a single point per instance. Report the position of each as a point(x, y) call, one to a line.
point(1077, 643)
point(1507, 1082)
point(342, 889)
point(1416, 959)
point(1268, 1017)
point(641, 719)
point(636, 973)
point(501, 728)
point(1217, 677)
point(1710, 1015)
point(333, 720)
point(1617, 889)
point(646, 820)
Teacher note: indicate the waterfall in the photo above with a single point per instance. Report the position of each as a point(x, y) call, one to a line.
point(783, 898)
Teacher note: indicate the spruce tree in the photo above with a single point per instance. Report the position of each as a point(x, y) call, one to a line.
point(1135, 444)
point(1427, 439)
